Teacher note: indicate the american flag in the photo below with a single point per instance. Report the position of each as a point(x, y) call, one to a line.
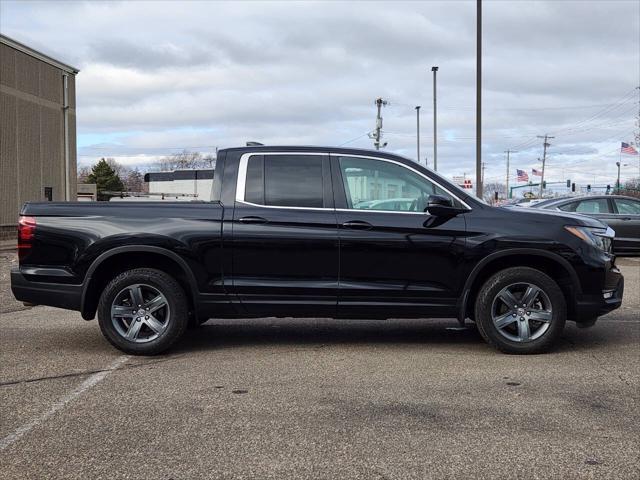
point(628, 149)
point(536, 172)
point(522, 176)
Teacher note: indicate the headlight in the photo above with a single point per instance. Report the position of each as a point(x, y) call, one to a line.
point(601, 238)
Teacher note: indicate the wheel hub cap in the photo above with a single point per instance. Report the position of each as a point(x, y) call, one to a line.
point(140, 313)
point(521, 312)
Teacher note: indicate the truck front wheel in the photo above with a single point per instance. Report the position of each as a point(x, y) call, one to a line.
point(520, 310)
point(143, 311)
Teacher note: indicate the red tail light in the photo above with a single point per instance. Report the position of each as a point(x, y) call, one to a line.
point(26, 232)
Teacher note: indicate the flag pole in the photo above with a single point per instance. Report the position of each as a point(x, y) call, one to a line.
point(619, 164)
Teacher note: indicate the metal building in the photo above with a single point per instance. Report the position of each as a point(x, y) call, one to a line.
point(195, 183)
point(37, 130)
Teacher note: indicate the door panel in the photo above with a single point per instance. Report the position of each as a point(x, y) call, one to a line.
point(627, 226)
point(399, 263)
point(285, 258)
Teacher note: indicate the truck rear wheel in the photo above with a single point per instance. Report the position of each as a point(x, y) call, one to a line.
point(520, 310)
point(143, 311)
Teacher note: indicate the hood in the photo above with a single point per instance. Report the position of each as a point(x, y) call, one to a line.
point(535, 214)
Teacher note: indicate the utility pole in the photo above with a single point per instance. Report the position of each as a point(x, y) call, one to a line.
point(619, 164)
point(638, 121)
point(544, 159)
point(435, 122)
point(478, 98)
point(638, 132)
point(418, 133)
point(508, 152)
point(377, 134)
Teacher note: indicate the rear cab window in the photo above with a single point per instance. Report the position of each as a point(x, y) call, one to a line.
point(294, 180)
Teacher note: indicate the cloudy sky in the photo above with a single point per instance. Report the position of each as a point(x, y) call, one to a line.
point(158, 77)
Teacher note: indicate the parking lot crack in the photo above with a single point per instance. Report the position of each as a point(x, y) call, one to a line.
point(82, 373)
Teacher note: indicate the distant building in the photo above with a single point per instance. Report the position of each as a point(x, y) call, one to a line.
point(87, 192)
point(37, 130)
point(195, 183)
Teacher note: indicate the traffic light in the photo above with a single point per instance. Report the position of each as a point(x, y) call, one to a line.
point(544, 184)
point(495, 196)
point(608, 189)
point(588, 188)
point(573, 187)
point(568, 183)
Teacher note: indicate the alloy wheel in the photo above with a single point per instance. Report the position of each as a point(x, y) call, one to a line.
point(521, 312)
point(140, 313)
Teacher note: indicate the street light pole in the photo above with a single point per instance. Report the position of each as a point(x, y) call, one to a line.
point(618, 181)
point(479, 99)
point(435, 122)
point(418, 133)
point(508, 152)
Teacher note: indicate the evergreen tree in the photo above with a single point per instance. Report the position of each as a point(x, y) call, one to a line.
point(106, 179)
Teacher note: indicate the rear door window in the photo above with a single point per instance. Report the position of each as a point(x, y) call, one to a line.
point(596, 205)
point(627, 206)
point(285, 181)
point(254, 189)
point(293, 181)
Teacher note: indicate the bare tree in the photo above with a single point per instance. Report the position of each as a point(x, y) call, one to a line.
point(631, 188)
point(121, 170)
point(83, 173)
point(209, 161)
point(490, 190)
point(186, 160)
point(134, 181)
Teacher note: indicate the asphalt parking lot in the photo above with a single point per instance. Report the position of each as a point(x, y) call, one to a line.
point(278, 399)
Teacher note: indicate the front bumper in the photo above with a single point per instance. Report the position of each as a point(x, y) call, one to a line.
point(589, 307)
point(42, 293)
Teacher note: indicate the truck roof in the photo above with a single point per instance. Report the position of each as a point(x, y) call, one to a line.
point(311, 148)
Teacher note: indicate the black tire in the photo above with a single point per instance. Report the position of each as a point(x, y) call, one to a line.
point(176, 320)
point(510, 280)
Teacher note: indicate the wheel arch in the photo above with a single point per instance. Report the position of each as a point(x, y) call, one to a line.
point(128, 257)
point(550, 263)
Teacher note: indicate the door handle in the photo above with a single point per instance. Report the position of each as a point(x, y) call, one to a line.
point(252, 219)
point(357, 225)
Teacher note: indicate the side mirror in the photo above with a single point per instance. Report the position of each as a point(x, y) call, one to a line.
point(442, 206)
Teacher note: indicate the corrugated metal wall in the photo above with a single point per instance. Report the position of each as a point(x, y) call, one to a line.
point(32, 132)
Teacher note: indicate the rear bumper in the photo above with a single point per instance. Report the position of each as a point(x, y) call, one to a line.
point(41, 293)
point(589, 307)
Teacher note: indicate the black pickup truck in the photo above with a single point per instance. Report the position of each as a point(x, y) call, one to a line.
point(317, 232)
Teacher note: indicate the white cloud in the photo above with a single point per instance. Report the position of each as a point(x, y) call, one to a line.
point(202, 73)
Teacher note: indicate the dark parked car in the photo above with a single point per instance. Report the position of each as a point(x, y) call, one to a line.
point(283, 236)
point(621, 213)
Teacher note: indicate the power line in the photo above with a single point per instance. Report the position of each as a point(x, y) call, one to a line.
point(354, 139)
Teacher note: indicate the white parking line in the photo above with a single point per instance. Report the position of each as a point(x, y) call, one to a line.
point(83, 387)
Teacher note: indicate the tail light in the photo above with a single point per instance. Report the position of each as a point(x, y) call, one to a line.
point(26, 232)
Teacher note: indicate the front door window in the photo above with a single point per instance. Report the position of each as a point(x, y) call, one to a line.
point(379, 185)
